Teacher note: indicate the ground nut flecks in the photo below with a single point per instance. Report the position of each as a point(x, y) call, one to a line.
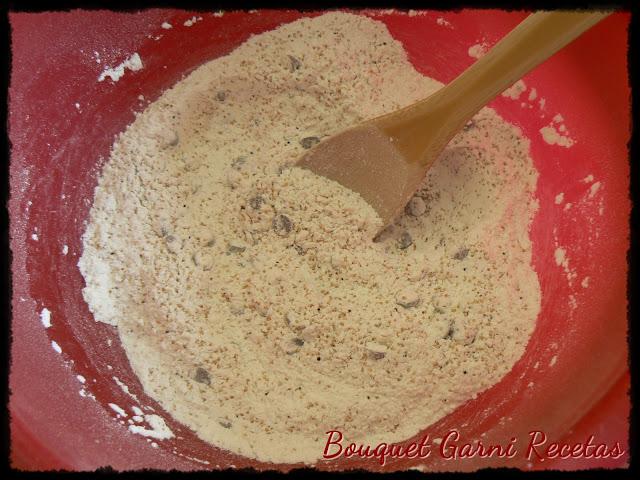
point(248, 294)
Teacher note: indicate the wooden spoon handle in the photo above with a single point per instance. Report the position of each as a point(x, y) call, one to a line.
point(534, 40)
point(420, 131)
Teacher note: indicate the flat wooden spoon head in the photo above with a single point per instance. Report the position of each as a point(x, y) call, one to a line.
point(366, 160)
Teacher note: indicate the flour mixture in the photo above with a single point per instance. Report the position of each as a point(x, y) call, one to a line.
point(248, 294)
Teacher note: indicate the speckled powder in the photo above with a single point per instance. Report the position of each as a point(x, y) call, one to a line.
point(248, 294)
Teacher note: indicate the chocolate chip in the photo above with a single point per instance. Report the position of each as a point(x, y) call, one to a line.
point(236, 249)
point(256, 202)
point(376, 351)
point(416, 207)
point(294, 63)
point(450, 332)
point(292, 345)
point(461, 254)
point(202, 376)
point(282, 225)
point(409, 304)
point(238, 162)
point(172, 139)
point(405, 241)
point(172, 243)
point(308, 142)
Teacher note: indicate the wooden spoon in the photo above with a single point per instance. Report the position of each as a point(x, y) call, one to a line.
point(386, 159)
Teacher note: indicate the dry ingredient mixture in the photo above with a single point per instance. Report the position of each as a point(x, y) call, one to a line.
point(248, 294)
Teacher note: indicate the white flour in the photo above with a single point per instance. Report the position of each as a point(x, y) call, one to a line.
point(133, 63)
point(556, 133)
point(248, 295)
point(45, 317)
point(515, 90)
point(158, 430)
point(478, 50)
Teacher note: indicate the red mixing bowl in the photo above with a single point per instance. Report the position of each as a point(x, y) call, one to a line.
point(63, 122)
